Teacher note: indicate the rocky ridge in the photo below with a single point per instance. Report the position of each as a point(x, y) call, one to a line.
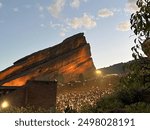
point(64, 62)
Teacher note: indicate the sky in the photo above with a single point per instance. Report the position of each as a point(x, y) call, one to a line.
point(27, 26)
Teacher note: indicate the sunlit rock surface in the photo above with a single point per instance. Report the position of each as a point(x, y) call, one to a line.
point(64, 62)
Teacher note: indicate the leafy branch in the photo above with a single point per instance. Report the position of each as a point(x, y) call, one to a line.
point(140, 24)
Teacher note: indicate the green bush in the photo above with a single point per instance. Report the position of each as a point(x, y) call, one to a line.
point(131, 95)
point(87, 109)
point(108, 104)
point(140, 107)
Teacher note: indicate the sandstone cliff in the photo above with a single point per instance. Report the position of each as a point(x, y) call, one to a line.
point(65, 62)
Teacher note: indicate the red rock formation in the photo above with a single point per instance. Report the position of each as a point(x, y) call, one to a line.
point(67, 60)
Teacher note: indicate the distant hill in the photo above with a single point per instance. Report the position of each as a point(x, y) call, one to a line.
point(114, 69)
point(121, 68)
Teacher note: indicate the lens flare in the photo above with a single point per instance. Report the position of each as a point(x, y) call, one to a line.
point(5, 104)
point(98, 72)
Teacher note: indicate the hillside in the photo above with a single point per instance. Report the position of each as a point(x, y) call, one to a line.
point(114, 69)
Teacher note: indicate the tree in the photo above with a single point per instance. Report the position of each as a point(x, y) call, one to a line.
point(140, 24)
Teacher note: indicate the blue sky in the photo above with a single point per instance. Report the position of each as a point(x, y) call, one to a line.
point(27, 26)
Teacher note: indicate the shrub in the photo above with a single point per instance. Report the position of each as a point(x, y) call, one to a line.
point(140, 107)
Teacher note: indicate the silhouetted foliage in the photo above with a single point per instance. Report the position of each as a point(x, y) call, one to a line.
point(140, 24)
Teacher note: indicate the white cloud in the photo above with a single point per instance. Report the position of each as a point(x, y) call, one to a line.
point(85, 21)
point(56, 8)
point(75, 3)
point(124, 26)
point(55, 25)
point(1, 5)
point(131, 6)
point(105, 13)
point(61, 27)
point(15, 9)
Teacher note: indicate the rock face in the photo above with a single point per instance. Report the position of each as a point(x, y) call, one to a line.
point(65, 62)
